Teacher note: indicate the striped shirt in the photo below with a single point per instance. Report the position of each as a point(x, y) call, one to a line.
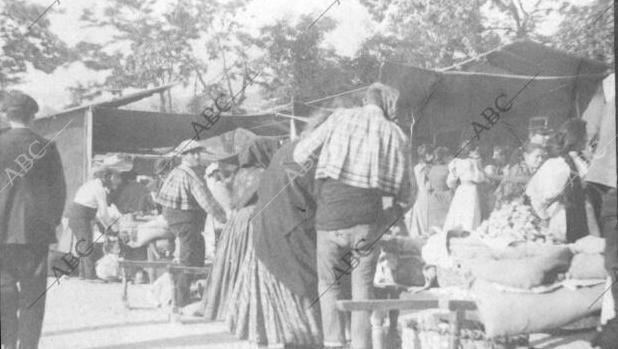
point(361, 148)
point(183, 189)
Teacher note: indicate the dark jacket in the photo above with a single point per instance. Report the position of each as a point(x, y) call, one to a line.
point(284, 231)
point(32, 188)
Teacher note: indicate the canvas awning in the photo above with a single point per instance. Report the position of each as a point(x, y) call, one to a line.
point(447, 102)
point(130, 131)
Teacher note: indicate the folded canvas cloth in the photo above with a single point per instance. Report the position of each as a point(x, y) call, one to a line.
point(587, 266)
point(152, 230)
point(522, 271)
point(504, 313)
point(588, 244)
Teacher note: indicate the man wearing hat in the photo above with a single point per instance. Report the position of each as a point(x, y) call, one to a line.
point(186, 199)
point(32, 198)
point(91, 205)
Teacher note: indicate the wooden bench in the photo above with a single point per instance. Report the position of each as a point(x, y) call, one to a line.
point(174, 269)
point(379, 308)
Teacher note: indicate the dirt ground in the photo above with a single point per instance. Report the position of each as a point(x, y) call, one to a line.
point(87, 315)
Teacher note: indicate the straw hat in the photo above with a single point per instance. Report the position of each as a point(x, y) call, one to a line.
point(112, 162)
point(186, 146)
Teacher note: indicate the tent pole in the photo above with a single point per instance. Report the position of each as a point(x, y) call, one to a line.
point(293, 123)
point(88, 155)
point(574, 91)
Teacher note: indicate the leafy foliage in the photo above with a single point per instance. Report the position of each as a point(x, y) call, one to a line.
point(588, 31)
point(427, 33)
point(160, 50)
point(440, 33)
point(21, 45)
point(296, 64)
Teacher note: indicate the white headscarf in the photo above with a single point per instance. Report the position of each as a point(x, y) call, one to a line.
point(388, 98)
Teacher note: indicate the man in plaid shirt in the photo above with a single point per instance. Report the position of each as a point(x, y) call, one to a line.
point(363, 157)
point(186, 200)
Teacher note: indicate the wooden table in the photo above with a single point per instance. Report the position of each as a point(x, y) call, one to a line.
point(174, 269)
point(379, 309)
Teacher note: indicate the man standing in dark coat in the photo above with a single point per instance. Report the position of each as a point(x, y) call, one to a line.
point(32, 197)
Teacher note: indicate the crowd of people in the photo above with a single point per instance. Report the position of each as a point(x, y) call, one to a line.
point(292, 216)
point(546, 173)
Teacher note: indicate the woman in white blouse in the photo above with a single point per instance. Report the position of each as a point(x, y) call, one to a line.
point(556, 190)
point(465, 210)
point(90, 203)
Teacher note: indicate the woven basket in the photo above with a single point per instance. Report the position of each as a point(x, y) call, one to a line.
point(429, 330)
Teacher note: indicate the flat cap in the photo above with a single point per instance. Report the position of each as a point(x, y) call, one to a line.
point(14, 100)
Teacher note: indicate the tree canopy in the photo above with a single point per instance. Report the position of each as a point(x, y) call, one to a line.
point(22, 41)
point(152, 45)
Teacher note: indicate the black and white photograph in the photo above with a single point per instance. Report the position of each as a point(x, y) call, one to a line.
point(325, 174)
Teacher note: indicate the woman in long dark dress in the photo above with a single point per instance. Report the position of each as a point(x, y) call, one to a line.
point(272, 300)
point(237, 233)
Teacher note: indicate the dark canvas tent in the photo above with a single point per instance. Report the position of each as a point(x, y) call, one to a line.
point(82, 132)
point(445, 103)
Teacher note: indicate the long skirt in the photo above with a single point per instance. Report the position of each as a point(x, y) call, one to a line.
point(465, 210)
point(430, 210)
point(231, 251)
point(418, 226)
point(439, 202)
point(265, 312)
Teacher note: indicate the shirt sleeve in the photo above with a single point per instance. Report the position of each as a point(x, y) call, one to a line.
point(100, 196)
point(206, 200)
point(312, 142)
point(477, 174)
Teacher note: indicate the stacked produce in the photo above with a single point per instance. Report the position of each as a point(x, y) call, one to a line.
point(514, 222)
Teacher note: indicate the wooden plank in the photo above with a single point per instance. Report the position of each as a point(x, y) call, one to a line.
point(387, 304)
point(455, 321)
point(172, 266)
point(417, 302)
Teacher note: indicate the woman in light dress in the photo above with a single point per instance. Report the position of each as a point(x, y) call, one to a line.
point(418, 224)
point(440, 195)
point(465, 210)
point(556, 190)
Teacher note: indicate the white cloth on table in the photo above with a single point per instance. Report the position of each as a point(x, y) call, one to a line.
point(435, 252)
point(465, 210)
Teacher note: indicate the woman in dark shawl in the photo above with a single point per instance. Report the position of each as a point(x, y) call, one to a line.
point(237, 233)
point(274, 296)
